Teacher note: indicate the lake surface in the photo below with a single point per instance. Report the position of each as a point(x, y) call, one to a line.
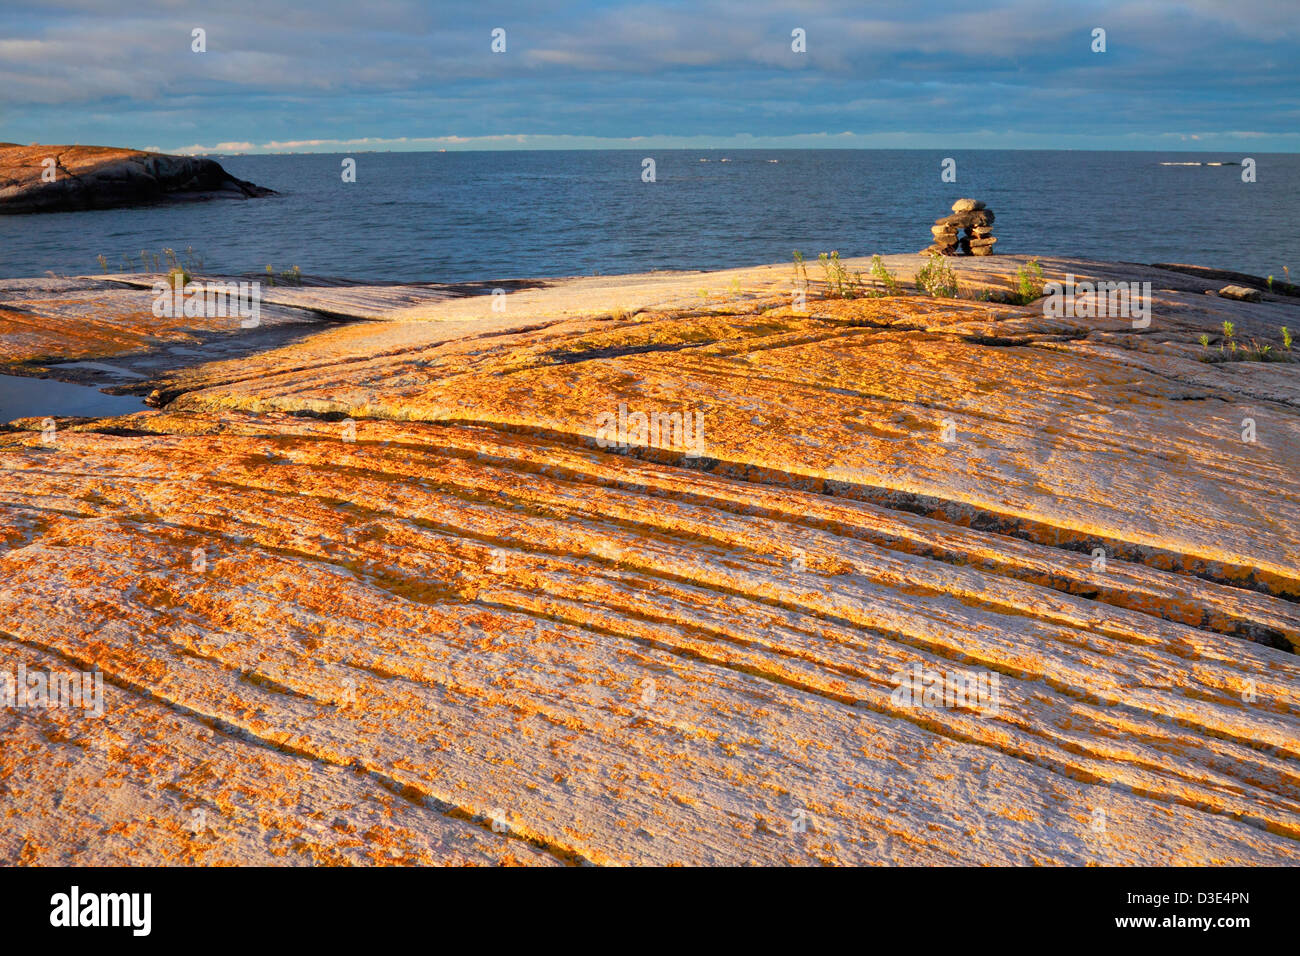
point(487, 215)
point(22, 397)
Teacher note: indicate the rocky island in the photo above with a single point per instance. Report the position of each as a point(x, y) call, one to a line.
point(40, 178)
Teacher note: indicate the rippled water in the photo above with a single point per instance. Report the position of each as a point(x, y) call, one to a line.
point(484, 215)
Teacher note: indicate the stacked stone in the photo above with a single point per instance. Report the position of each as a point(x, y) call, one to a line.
point(970, 215)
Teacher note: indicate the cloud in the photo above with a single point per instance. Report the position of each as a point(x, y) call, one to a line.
point(341, 74)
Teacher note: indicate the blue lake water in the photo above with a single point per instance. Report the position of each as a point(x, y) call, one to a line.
point(484, 215)
point(22, 397)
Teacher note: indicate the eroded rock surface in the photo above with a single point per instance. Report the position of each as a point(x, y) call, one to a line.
point(389, 593)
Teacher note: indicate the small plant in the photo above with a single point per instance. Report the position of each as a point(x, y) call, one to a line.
point(835, 274)
point(178, 278)
point(1229, 330)
point(1269, 280)
point(270, 275)
point(937, 278)
point(1029, 282)
point(845, 284)
point(1286, 338)
point(1258, 352)
point(884, 276)
point(167, 263)
point(800, 271)
point(1204, 340)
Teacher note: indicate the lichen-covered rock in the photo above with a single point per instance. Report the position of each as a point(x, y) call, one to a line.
point(393, 593)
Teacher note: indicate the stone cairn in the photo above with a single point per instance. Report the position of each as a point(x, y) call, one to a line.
point(968, 214)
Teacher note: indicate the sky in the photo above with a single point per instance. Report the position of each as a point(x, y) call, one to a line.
point(355, 75)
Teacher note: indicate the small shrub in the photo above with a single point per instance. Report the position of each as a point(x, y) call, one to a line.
point(838, 280)
point(800, 271)
point(937, 278)
point(884, 276)
point(1029, 282)
point(1286, 338)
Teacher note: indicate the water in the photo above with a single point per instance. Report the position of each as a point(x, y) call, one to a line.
point(22, 397)
point(484, 215)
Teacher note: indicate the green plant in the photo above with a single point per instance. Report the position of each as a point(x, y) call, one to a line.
point(1286, 338)
point(937, 278)
point(800, 271)
point(1269, 280)
point(1204, 340)
point(1029, 282)
point(884, 276)
point(836, 277)
point(1258, 352)
point(1229, 330)
point(270, 275)
point(178, 274)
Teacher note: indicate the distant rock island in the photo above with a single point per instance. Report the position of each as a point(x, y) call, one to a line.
point(40, 178)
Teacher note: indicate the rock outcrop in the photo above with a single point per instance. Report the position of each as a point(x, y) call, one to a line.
point(1241, 293)
point(384, 595)
point(40, 178)
point(970, 215)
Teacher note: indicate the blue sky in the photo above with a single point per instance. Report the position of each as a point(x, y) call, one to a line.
point(332, 76)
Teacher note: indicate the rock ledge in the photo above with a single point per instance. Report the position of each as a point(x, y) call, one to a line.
point(103, 177)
